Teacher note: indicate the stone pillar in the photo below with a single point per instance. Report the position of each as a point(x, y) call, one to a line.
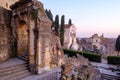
point(38, 57)
point(47, 55)
point(42, 55)
point(31, 47)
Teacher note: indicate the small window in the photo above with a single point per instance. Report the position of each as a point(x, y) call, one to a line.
point(6, 5)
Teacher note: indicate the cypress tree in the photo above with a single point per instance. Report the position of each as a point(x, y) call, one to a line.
point(62, 30)
point(50, 16)
point(46, 11)
point(56, 25)
point(70, 22)
point(117, 45)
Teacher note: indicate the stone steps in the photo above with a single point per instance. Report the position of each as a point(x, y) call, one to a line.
point(24, 57)
point(16, 76)
point(12, 68)
point(10, 71)
point(14, 72)
point(110, 77)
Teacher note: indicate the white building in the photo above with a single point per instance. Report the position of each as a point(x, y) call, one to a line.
point(70, 37)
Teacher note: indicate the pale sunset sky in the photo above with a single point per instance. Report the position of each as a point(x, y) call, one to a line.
point(89, 16)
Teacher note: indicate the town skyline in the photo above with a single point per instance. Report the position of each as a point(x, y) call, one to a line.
point(89, 16)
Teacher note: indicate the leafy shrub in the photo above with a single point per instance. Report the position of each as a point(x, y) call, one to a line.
point(113, 60)
point(91, 56)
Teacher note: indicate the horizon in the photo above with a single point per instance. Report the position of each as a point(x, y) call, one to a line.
point(89, 16)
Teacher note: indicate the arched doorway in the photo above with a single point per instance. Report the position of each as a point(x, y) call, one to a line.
point(22, 42)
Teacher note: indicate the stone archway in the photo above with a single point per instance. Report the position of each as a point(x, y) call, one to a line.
point(23, 31)
point(22, 41)
point(29, 15)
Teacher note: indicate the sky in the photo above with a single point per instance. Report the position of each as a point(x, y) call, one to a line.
point(89, 16)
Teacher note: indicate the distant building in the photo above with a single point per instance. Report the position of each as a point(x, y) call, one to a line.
point(98, 44)
point(70, 37)
point(109, 43)
point(95, 40)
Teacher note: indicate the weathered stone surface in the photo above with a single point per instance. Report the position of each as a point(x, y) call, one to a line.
point(78, 69)
point(6, 38)
point(30, 31)
point(7, 3)
point(35, 35)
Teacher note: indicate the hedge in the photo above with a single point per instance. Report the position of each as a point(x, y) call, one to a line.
point(115, 60)
point(91, 56)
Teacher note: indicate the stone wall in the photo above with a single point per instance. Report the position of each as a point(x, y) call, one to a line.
point(7, 3)
point(5, 35)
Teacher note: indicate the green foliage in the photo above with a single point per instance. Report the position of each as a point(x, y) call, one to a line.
point(117, 45)
point(34, 14)
point(113, 60)
point(70, 22)
point(62, 30)
point(56, 24)
point(91, 56)
point(49, 14)
point(41, 9)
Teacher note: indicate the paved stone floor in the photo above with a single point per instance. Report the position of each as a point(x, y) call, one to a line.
point(11, 62)
point(104, 61)
point(106, 68)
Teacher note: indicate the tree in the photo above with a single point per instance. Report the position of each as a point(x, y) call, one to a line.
point(50, 16)
point(62, 30)
point(56, 24)
point(70, 22)
point(47, 13)
point(117, 45)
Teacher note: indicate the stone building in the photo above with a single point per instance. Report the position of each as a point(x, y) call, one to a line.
point(26, 29)
point(98, 44)
point(109, 44)
point(95, 40)
point(90, 44)
point(70, 37)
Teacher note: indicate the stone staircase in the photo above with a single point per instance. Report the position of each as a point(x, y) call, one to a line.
point(24, 57)
point(110, 77)
point(15, 69)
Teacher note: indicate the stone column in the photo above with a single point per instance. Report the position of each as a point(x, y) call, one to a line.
point(38, 56)
point(42, 54)
point(47, 54)
point(31, 47)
